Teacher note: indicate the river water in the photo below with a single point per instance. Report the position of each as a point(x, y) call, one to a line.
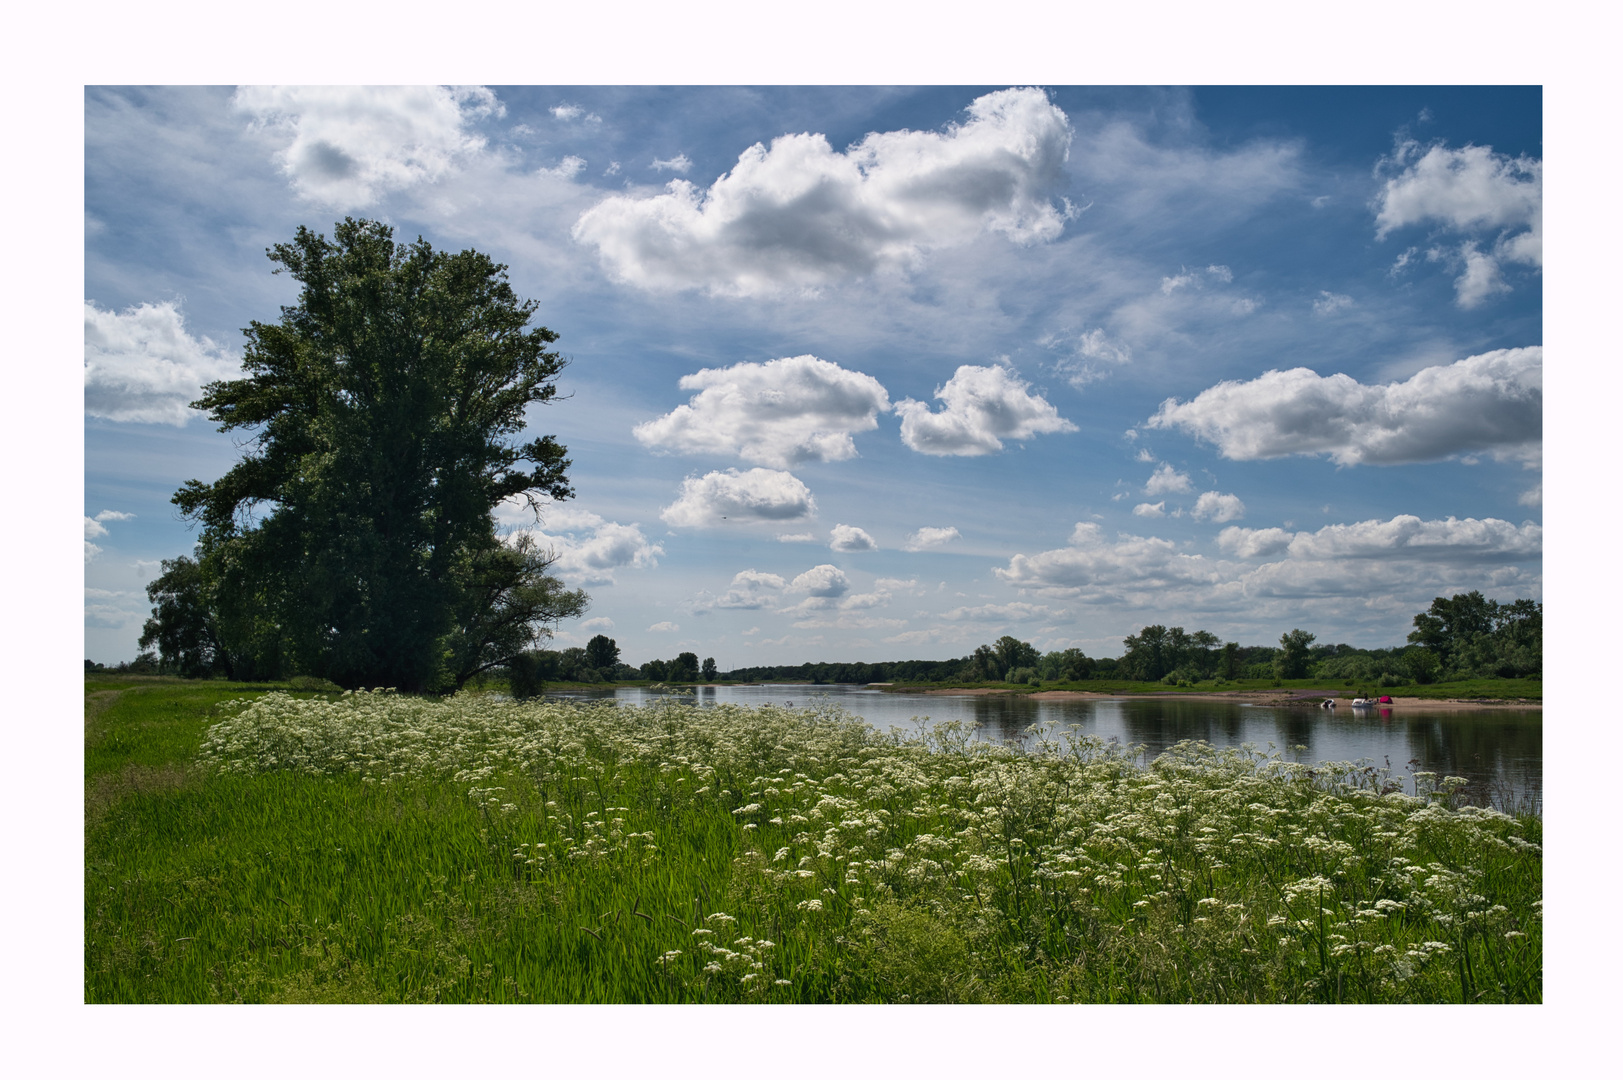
point(1500, 751)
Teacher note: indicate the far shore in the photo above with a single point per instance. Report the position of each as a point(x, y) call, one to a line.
point(1269, 698)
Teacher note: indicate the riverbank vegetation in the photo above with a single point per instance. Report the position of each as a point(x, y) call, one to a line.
point(253, 846)
point(1467, 638)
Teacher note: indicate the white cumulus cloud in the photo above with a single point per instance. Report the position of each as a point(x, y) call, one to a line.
point(1092, 561)
point(1406, 534)
point(1490, 198)
point(567, 169)
point(1167, 480)
point(588, 548)
point(823, 580)
point(850, 538)
point(1405, 560)
point(981, 407)
point(1253, 543)
point(95, 528)
point(778, 413)
point(750, 590)
point(1215, 506)
point(142, 366)
point(1468, 188)
point(568, 113)
point(1158, 509)
point(679, 164)
point(1493, 402)
point(800, 214)
point(1019, 611)
point(755, 495)
point(1480, 279)
point(929, 537)
point(344, 146)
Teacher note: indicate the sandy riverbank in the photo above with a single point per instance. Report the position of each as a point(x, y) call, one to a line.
point(1268, 698)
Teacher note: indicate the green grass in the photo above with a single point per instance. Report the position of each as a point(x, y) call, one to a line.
point(377, 848)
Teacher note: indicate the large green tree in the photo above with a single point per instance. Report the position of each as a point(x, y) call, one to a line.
point(1294, 656)
point(182, 624)
point(355, 538)
point(1013, 653)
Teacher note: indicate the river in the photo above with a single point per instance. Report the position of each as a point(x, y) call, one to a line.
point(1500, 751)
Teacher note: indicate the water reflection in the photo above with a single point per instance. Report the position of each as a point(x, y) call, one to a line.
point(1501, 752)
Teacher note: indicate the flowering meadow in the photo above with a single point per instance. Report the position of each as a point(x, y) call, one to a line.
point(380, 847)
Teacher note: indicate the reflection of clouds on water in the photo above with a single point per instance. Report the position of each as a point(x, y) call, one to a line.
point(1501, 752)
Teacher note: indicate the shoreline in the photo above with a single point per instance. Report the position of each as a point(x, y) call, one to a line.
point(1273, 699)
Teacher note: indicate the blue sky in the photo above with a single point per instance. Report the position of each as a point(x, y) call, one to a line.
point(877, 373)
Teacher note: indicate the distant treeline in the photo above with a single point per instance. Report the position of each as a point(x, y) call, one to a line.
point(1463, 637)
point(1466, 636)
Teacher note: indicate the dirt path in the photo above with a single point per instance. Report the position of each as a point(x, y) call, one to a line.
point(97, 703)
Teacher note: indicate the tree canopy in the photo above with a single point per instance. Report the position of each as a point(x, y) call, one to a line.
point(182, 624)
point(355, 540)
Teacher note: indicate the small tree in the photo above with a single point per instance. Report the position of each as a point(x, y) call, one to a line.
point(1421, 665)
point(981, 665)
point(1294, 655)
point(1146, 655)
point(709, 671)
point(603, 654)
point(182, 626)
point(524, 679)
point(685, 668)
point(1013, 653)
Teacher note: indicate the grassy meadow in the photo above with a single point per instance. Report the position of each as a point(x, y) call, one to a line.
point(257, 845)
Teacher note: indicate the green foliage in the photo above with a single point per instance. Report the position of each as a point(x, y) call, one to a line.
point(1013, 653)
point(1070, 665)
point(525, 675)
point(602, 653)
point(1470, 635)
point(1421, 665)
point(332, 850)
point(708, 672)
point(1293, 659)
point(354, 541)
point(1155, 651)
point(182, 625)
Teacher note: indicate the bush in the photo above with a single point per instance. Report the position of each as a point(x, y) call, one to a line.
point(1021, 675)
point(311, 682)
point(1421, 664)
point(524, 676)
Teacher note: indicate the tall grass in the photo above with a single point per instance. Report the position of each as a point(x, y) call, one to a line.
point(383, 848)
